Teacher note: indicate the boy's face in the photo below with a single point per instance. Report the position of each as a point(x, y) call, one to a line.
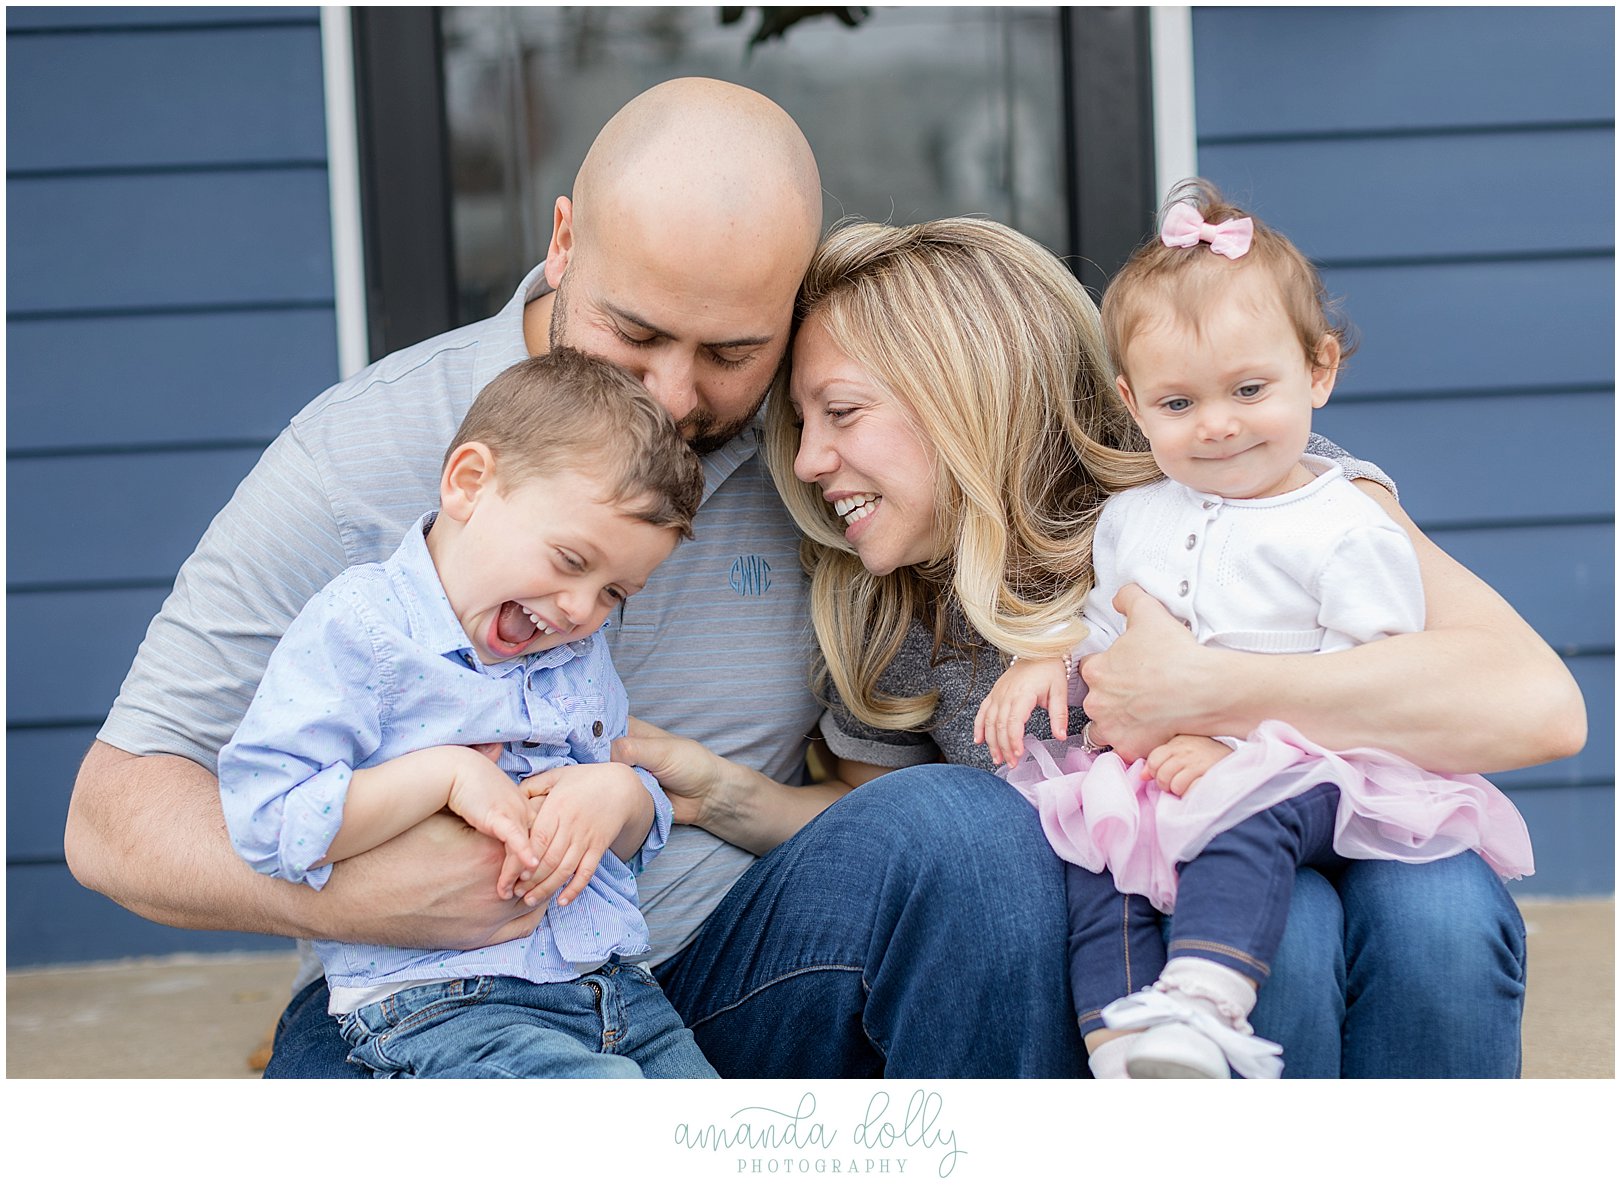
point(545, 562)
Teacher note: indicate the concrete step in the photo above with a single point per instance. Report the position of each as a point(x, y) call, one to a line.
point(206, 1017)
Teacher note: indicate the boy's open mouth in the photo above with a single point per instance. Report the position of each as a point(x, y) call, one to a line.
point(511, 631)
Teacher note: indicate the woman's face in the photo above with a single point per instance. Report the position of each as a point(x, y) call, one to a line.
point(858, 446)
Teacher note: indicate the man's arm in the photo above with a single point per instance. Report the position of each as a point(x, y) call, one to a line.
point(148, 832)
point(1476, 691)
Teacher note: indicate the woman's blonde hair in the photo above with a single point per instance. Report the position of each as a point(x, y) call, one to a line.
point(994, 352)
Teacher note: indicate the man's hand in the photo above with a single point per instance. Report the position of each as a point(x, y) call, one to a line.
point(584, 809)
point(1002, 716)
point(432, 887)
point(691, 775)
point(1176, 765)
point(1140, 689)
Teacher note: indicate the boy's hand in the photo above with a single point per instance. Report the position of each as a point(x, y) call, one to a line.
point(1002, 716)
point(487, 799)
point(583, 809)
point(1177, 764)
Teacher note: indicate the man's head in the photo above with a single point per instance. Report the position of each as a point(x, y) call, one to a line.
point(563, 489)
point(680, 252)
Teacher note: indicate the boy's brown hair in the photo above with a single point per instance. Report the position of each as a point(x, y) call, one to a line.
point(1188, 281)
point(571, 411)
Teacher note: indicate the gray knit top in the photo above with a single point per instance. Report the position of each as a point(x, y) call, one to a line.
point(964, 676)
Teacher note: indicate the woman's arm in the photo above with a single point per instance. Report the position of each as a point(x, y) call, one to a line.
point(732, 802)
point(1476, 691)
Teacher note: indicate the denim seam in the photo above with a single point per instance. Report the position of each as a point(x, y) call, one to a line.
point(1216, 948)
point(1125, 937)
point(479, 992)
point(866, 992)
point(779, 979)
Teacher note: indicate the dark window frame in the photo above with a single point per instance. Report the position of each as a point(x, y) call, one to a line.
point(405, 159)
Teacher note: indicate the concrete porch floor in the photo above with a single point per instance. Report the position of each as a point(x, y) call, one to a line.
point(204, 1017)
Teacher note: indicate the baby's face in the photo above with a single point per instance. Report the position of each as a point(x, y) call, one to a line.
point(546, 563)
point(1226, 405)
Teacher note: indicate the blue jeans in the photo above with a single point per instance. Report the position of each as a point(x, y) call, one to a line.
point(916, 928)
point(1232, 904)
point(612, 1023)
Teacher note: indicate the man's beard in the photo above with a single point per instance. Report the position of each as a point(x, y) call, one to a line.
point(701, 429)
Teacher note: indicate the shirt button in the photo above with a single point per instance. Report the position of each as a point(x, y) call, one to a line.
point(596, 729)
point(530, 743)
point(1209, 504)
point(1193, 539)
point(1183, 589)
point(1187, 625)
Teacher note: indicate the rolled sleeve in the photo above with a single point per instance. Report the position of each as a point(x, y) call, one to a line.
point(663, 817)
point(850, 739)
point(285, 774)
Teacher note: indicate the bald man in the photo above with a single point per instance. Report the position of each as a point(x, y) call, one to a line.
point(904, 929)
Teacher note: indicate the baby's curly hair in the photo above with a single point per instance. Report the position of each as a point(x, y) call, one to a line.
point(1187, 281)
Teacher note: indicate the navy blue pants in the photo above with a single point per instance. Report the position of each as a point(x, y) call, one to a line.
point(1232, 903)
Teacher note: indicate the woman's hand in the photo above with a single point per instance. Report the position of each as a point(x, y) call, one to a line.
point(692, 776)
point(732, 802)
point(1137, 690)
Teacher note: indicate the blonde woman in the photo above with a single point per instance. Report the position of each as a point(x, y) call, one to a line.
point(944, 440)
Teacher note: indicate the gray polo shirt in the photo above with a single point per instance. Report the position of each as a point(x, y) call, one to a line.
point(717, 647)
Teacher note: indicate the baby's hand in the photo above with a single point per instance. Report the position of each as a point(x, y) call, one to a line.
point(1176, 764)
point(487, 799)
point(583, 808)
point(1002, 716)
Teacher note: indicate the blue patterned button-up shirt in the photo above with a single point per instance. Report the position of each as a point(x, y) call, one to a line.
point(377, 665)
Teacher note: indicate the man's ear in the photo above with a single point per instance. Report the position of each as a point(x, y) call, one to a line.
point(468, 474)
point(1325, 370)
point(561, 248)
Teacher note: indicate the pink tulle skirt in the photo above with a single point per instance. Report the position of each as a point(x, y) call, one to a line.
point(1100, 812)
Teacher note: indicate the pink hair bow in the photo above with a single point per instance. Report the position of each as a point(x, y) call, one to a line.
point(1184, 226)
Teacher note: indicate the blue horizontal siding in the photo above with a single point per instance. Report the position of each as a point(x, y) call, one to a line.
point(1484, 327)
point(1283, 70)
point(1448, 459)
point(1378, 198)
point(37, 18)
point(129, 100)
point(75, 382)
point(57, 671)
point(130, 517)
point(187, 240)
point(1560, 578)
point(1453, 170)
point(1572, 838)
point(41, 764)
point(169, 302)
point(50, 918)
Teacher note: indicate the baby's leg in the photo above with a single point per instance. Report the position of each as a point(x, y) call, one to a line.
point(1232, 899)
point(1232, 906)
point(1115, 947)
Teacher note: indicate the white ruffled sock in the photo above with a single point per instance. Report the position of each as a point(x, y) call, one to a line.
point(1109, 1061)
point(1210, 987)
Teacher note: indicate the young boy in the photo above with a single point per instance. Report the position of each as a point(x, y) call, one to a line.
point(450, 677)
